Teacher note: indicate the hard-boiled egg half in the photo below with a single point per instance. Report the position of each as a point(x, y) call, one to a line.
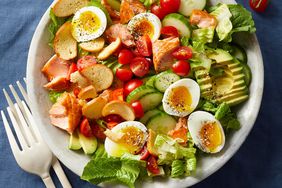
point(126, 137)
point(181, 98)
point(145, 24)
point(88, 23)
point(206, 131)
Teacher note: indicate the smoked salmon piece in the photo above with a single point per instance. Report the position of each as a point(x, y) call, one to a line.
point(55, 67)
point(121, 31)
point(59, 83)
point(66, 113)
point(162, 50)
point(203, 19)
point(130, 8)
point(180, 131)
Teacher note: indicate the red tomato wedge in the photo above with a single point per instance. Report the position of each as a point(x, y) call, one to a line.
point(158, 11)
point(117, 94)
point(144, 45)
point(138, 109)
point(86, 61)
point(85, 128)
point(98, 131)
point(181, 68)
point(125, 56)
point(258, 5)
point(131, 85)
point(183, 53)
point(124, 74)
point(169, 31)
point(152, 165)
point(140, 66)
point(170, 6)
point(144, 153)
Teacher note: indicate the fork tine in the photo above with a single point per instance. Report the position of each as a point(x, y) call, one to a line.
point(27, 130)
point(24, 80)
point(9, 100)
point(23, 92)
point(19, 134)
point(32, 122)
point(11, 138)
point(16, 96)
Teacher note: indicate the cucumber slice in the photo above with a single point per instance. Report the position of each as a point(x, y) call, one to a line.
point(239, 53)
point(151, 101)
point(179, 22)
point(164, 80)
point(151, 81)
point(139, 92)
point(161, 108)
point(187, 6)
point(148, 115)
point(162, 123)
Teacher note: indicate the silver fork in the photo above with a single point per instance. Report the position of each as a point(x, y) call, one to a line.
point(32, 154)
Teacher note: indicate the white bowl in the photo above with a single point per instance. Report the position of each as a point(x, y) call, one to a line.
point(57, 140)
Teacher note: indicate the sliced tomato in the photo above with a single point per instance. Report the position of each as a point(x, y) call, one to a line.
point(144, 153)
point(158, 11)
point(183, 53)
point(152, 165)
point(125, 56)
point(117, 94)
point(98, 131)
point(138, 109)
point(140, 66)
point(124, 74)
point(86, 61)
point(258, 5)
point(111, 125)
point(72, 69)
point(202, 19)
point(169, 31)
point(85, 128)
point(144, 45)
point(131, 85)
point(182, 68)
point(170, 6)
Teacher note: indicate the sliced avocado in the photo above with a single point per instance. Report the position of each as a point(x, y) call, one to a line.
point(230, 87)
point(220, 55)
point(88, 144)
point(74, 143)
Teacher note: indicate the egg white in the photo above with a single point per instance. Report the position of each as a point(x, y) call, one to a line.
point(195, 123)
point(82, 35)
point(117, 150)
point(194, 90)
point(152, 18)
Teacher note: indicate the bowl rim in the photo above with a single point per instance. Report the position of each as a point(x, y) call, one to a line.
point(30, 87)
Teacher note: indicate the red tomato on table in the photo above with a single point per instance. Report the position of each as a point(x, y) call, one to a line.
point(258, 5)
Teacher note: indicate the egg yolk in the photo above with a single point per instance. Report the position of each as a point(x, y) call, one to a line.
point(210, 135)
point(89, 22)
point(144, 27)
point(133, 139)
point(180, 98)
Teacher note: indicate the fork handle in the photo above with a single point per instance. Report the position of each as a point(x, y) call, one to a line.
point(48, 181)
point(60, 174)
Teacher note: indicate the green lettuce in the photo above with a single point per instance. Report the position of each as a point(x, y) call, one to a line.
point(204, 35)
point(102, 168)
point(177, 168)
point(53, 27)
point(224, 26)
point(53, 96)
point(148, 3)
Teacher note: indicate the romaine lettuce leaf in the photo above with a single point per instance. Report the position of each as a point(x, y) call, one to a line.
point(222, 110)
point(224, 26)
point(148, 3)
point(204, 35)
point(190, 165)
point(53, 96)
point(177, 168)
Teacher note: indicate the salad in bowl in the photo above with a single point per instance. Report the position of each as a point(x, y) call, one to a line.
point(145, 87)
